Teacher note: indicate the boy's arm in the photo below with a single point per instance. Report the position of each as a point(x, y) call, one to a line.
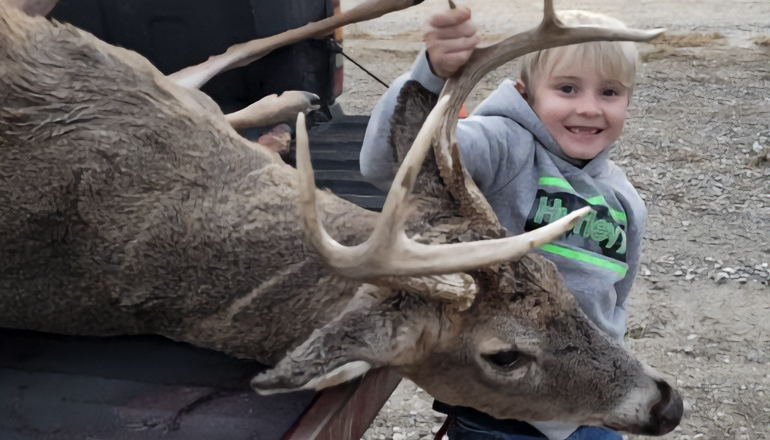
point(484, 141)
point(450, 37)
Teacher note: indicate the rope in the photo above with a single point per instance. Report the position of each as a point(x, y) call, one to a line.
point(363, 68)
point(451, 6)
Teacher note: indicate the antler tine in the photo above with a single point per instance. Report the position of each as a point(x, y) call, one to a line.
point(371, 258)
point(549, 13)
point(314, 229)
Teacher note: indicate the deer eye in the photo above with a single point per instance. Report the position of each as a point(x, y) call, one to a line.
point(507, 359)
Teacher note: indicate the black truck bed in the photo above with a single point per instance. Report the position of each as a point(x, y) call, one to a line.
point(334, 150)
point(139, 387)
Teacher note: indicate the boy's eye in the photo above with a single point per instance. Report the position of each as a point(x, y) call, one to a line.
point(610, 92)
point(566, 89)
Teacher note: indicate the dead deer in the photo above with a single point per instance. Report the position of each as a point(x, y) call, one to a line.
point(129, 205)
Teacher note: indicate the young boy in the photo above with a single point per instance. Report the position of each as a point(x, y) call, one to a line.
point(537, 149)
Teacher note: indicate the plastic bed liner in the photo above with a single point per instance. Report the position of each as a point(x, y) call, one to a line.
point(58, 387)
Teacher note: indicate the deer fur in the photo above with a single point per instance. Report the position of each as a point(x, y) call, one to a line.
point(128, 205)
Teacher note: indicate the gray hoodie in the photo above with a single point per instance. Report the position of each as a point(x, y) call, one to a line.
point(529, 182)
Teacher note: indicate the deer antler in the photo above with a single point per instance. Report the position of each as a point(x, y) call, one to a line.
point(550, 33)
point(389, 252)
point(245, 53)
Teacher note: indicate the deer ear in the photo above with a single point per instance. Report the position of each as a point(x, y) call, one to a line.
point(329, 357)
point(363, 337)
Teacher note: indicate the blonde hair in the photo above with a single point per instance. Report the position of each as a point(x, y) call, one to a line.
point(613, 59)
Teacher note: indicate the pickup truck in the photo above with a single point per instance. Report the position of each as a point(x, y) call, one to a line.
point(149, 387)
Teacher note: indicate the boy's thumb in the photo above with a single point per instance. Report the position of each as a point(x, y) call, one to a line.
point(450, 17)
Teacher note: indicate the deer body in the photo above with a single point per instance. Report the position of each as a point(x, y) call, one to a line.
point(128, 205)
point(119, 219)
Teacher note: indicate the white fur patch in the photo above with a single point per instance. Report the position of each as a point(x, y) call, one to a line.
point(262, 392)
point(338, 375)
point(342, 374)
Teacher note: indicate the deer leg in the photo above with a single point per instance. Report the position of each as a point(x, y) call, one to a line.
point(245, 53)
point(34, 7)
point(274, 109)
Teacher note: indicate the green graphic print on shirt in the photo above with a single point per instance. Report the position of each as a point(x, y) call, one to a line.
point(598, 239)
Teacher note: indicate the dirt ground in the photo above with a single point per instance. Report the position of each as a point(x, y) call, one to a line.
point(697, 147)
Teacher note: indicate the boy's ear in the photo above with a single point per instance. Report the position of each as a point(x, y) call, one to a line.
point(522, 89)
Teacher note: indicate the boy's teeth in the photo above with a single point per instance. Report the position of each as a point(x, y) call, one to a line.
point(578, 130)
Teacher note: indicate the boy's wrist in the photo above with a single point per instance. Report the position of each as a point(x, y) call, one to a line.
point(430, 65)
point(422, 72)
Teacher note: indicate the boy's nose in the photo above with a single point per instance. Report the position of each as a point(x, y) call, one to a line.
point(588, 106)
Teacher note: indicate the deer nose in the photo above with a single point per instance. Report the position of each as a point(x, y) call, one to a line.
point(667, 413)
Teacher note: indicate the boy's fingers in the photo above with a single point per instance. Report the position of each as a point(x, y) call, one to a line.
point(450, 62)
point(455, 45)
point(450, 37)
point(457, 59)
point(467, 29)
point(450, 17)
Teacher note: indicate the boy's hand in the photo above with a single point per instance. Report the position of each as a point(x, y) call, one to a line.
point(450, 37)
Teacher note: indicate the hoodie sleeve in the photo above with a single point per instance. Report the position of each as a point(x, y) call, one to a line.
point(486, 147)
point(637, 219)
point(483, 140)
point(377, 161)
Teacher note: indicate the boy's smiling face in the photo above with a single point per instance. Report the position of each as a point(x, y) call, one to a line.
point(582, 110)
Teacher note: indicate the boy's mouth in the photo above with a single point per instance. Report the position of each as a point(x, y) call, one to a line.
point(584, 130)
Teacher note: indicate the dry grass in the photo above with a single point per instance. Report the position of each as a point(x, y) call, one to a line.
point(686, 40)
point(758, 161)
point(668, 44)
point(762, 40)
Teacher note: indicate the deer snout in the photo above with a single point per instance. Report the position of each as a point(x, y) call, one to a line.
point(652, 408)
point(667, 413)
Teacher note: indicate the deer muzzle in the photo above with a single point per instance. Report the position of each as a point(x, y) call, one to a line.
point(667, 413)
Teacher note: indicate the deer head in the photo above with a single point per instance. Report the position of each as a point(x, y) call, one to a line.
point(523, 349)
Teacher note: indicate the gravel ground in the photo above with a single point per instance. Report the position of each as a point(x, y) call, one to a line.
point(697, 146)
